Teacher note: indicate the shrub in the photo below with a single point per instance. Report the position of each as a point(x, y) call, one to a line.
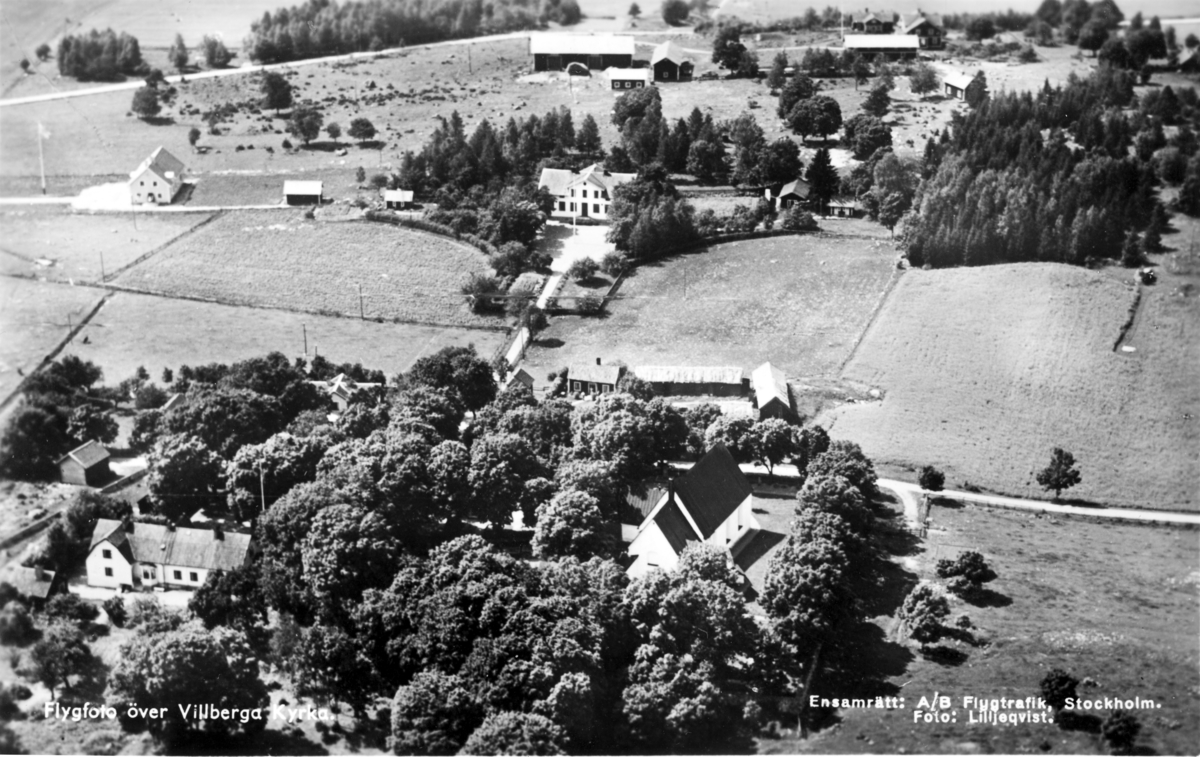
point(1120, 730)
point(149, 397)
point(20, 691)
point(615, 264)
point(16, 625)
point(932, 479)
point(923, 612)
point(114, 607)
point(71, 608)
point(589, 303)
point(798, 219)
point(287, 144)
point(1057, 687)
point(969, 565)
point(583, 269)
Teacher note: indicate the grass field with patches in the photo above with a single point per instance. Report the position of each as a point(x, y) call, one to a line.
point(75, 243)
point(34, 317)
point(277, 259)
point(134, 330)
point(1112, 602)
point(984, 370)
point(797, 301)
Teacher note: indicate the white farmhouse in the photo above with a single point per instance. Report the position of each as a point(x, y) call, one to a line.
point(146, 555)
point(587, 194)
point(157, 180)
point(711, 504)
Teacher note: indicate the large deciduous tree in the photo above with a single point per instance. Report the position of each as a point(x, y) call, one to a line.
point(184, 476)
point(305, 124)
point(276, 91)
point(459, 370)
point(145, 102)
point(570, 525)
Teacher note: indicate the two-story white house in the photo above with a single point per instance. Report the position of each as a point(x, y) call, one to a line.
point(146, 555)
point(157, 180)
point(587, 194)
point(711, 504)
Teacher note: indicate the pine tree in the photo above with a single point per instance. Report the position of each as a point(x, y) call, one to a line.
point(587, 139)
point(822, 178)
point(1131, 253)
point(178, 54)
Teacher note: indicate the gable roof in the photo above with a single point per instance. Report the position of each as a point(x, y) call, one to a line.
point(689, 374)
point(597, 175)
point(712, 490)
point(292, 187)
point(596, 374)
point(867, 15)
point(176, 400)
point(397, 195)
point(674, 526)
point(892, 42)
point(580, 44)
point(26, 581)
point(959, 81)
point(668, 51)
point(556, 180)
point(628, 74)
point(185, 547)
point(799, 187)
point(769, 385)
point(910, 21)
point(87, 454)
point(521, 377)
point(645, 503)
point(163, 163)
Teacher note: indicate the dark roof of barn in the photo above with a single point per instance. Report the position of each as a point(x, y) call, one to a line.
point(87, 454)
point(712, 489)
point(644, 503)
point(674, 526)
point(596, 374)
point(186, 547)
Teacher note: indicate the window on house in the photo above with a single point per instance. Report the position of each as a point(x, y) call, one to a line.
point(585, 194)
point(178, 575)
point(107, 554)
point(595, 207)
point(591, 388)
point(141, 183)
point(108, 572)
point(147, 574)
point(572, 192)
point(572, 207)
point(194, 577)
point(156, 183)
point(562, 206)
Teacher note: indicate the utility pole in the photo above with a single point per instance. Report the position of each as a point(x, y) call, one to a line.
point(101, 266)
point(42, 134)
point(305, 327)
point(470, 65)
point(361, 313)
point(262, 488)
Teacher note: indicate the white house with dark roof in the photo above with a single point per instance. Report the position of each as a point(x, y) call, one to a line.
point(157, 180)
point(586, 378)
point(146, 555)
point(711, 504)
point(927, 29)
point(341, 389)
point(587, 194)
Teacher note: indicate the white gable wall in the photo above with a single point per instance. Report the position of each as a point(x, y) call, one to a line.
point(651, 550)
point(149, 187)
point(105, 559)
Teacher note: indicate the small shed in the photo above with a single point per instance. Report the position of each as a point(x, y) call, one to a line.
point(35, 584)
point(628, 78)
point(843, 208)
point(670, 64)
point(956, 85)
point(86, 465)
point(397, 199)
point(693, 380)
point(793, 193)
point(771, 392)
point(302, 192)
point(593, 379)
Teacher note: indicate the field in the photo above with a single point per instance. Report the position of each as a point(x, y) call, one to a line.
point(76, 243)
point(276, 259)
point(799, 302)
point(1113, 603)
point(984, 370)
point(34, 317)
point(159, 332)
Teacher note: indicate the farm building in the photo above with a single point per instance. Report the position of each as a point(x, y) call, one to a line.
point(86, 465)
point(771, 393)
point(341, 389)
point(891, 46)
point(670, 64)
point(397, 199)
point(927, 29)
point(873, 22)
point(843, 208)
point(1191, 63)
point(302, 192)
point(520, 378)
point(587, 194)
point(956, 85)
point(554, 52)
point(711, 504)
point(593, 379)
point(157, 180)
point(683, 380)
point(34, 584)
point(147, 555)
point(628, 78)
point(792, 193)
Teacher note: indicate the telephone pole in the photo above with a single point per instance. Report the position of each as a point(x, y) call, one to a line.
point(361, 313)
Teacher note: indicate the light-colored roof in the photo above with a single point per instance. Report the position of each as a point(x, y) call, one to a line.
point(596, 374)
point(668, 51)
point(302, 187)
point(580, 44)
point(689, 374)
point(397, 195)
point(863, 17)
point(597, 175)
point(176, 400)
point(769, 384)
point(521, 377)
point(87, 454)
point(799, 187)
point(959, 81)
point(627, 74)
point(882, 41)
point(164, 164)
point(185, 547)
point(556, 180)
point(26, 581)
point(910, 21)
point(343, 386)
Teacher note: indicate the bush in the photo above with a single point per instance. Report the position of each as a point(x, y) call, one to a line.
point(798, 219)
point(114, 607)
point(1057, 687)
point(1120, 730)
point(71, 608)
point(969, 565)
point(583, 269)
point(20, 691)
point(287, 144)
point(16, 625)
point(923, 612)
point(675, 12)
point(589, 303)
point(615, 264)
point(149, 397)
point(932, 479)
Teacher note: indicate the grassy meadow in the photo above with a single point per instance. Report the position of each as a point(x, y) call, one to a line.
point(984, 370)
point(277, 259)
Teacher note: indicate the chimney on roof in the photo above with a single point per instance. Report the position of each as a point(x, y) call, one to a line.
point(127, 524)
point(39, 573)
point(218, 533)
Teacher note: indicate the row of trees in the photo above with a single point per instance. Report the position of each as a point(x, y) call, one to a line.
point(100, 56)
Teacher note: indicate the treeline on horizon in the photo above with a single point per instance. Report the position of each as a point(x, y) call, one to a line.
point(323, 27)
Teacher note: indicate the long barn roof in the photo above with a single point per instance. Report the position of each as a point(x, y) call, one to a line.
point(580, 44)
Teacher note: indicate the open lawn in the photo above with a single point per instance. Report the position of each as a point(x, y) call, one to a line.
point(1113, 603)
point(797, 301)
point(62, 246)
point(984, 370)
point(159, 332)
point(277, 259)
point(34, 317)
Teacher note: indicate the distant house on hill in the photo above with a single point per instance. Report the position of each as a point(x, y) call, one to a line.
point(302, 192)
point(157, 180)
point(771, 393)
point(554, 52)
point(35, 584)
point(670, 64)
point(927, 29)
point(840, 207)
point(956, 85)
point(689, 380)
point(86, 465)
point(710, 504)
point(586, 378)
point(587, 194)
point(628, 78)
point(397, 199)
point(891, 46)
point(147, 555)
point(873, 22)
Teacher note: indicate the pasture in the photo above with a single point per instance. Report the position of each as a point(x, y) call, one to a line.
point(134, 330)
point(277, 259)
point(1109, 602)
point(985, 370)
point(60, 246)
point(35, 316)
point(797, 301)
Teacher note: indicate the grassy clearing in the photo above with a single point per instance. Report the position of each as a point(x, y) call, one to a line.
point(798, 301)
point(34, 317)
point(277, 259)
point(159, 332)
point(75, 243)
point(986, 369)
point(232, 189)
point(1111, 602)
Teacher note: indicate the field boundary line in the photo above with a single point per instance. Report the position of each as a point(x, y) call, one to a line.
point(1128, 325)
point(147, 255)
point(897, 274)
